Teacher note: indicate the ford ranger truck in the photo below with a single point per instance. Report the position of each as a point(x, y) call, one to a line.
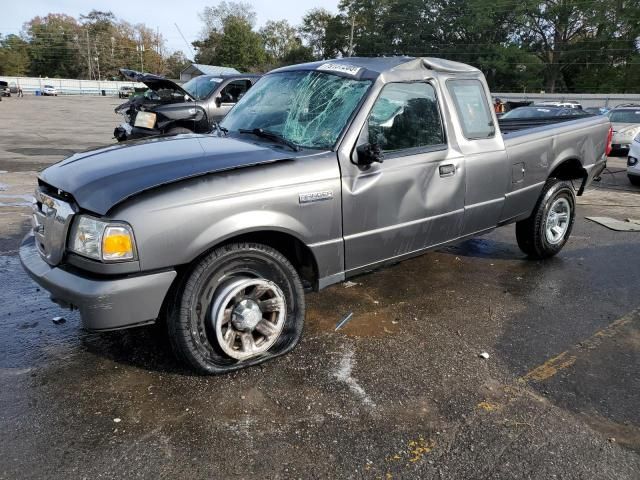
point(322, 171)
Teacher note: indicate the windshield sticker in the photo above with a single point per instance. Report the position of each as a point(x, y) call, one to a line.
point(340, 68)
point(215, 79)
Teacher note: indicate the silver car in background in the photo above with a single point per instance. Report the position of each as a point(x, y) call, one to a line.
point(625, 120)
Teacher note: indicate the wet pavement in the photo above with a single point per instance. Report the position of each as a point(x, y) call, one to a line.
point(399, 392)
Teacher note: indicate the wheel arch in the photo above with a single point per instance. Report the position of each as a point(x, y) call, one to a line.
point(570, 169)
point(287, 243)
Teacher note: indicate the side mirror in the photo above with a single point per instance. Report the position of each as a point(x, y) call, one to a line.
point(218, 101)
point(369, 153)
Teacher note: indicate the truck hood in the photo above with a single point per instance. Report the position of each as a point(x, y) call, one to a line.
point(154, 82)
point(102, 178)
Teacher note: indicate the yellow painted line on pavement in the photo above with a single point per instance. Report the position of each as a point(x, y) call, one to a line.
point(567, 358)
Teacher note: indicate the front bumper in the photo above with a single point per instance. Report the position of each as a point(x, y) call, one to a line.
point(121, 133)
point(104, 304)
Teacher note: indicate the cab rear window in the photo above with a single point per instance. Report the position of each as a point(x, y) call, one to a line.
point(472, 107)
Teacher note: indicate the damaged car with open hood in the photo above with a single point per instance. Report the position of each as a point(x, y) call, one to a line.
point(169, 108)
point(321, 172)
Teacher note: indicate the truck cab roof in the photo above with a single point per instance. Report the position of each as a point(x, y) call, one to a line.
point(372, 67)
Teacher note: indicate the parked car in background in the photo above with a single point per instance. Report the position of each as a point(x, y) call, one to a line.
point(565, 104)
point(597, 110)
point(633, 161)
point(5, 91)
point(323, 171)
point(172, 109)
point(125, 91)
point(540, 111)
point(49, 91)
point(625, 120)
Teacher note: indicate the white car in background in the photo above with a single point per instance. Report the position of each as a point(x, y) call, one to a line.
point(49, 91)
point(566, 104)
point(633, 161)
point(625, 121)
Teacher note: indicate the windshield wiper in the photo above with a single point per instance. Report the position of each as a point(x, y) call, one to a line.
point(260, 132)
point(220, 129)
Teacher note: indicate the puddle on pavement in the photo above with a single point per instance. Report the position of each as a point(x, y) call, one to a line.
point(371, 322)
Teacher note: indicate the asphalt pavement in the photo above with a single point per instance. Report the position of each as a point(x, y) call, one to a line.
point(401, 391)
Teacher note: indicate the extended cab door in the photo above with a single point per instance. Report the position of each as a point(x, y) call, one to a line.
point(415, 198)
point(486, 163)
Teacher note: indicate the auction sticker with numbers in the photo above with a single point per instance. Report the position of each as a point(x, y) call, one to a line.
point(340, 68)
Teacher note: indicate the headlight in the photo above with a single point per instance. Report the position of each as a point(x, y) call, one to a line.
point(637, 138)
point(100, 240)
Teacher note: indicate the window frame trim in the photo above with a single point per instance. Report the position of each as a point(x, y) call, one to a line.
point(405, 152)
point(448, 83)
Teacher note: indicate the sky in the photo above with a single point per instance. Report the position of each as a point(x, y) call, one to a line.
point(161, 14)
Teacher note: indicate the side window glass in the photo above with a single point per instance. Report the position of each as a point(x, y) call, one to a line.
point(472, 107)
point(234, 91)
point(405, 115)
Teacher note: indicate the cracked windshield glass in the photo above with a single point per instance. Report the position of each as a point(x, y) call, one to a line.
point(309, 109)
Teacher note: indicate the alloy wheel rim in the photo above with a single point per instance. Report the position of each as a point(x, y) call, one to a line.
point(557, 222)
point(248, 316)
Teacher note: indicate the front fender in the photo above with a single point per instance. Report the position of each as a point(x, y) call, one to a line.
point(247, 222)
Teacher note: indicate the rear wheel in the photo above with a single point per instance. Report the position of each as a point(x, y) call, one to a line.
point(634, 179)
point(240, 305)
point(546, 231)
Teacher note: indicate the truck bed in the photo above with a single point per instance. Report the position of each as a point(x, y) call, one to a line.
point(508, 125)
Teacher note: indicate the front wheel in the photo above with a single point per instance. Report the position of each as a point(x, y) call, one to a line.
point(546, 231)
point(240, 305)
point(634, 179)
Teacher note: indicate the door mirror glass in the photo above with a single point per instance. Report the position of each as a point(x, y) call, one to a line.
point(369, 153)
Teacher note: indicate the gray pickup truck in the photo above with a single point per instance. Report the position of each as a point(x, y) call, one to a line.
point(321, 172)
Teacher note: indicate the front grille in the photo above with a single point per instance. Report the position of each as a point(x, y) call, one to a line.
point(51, 220)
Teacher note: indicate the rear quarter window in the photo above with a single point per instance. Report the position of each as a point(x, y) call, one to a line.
point(472, 107)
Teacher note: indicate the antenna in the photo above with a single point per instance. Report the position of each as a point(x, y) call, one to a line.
point(193, 55)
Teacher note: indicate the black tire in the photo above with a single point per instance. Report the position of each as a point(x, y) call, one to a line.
point(531, 233)
point(178, 131)
point(189, 318)
point(634, 179)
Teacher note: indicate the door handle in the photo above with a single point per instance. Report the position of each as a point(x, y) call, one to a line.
point(447, 170)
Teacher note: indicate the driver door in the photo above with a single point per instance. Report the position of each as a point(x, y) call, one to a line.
point(415, 198)
point(228, 97)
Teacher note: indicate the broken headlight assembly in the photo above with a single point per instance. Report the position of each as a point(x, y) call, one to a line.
point(102, 241)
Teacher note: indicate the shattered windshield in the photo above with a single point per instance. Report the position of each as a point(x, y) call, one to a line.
point(307, 108)
point(201, 87)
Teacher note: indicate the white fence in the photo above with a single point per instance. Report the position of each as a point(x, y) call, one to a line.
point(609, 100)
point(66, 86)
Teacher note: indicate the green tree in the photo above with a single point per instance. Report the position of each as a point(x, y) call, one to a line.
point(14, 57)
point(279, 39)
point(174, 64)
point(568, 34)
point(325, 33)
point(53, 48)
point(214, 18)
point(237, 46)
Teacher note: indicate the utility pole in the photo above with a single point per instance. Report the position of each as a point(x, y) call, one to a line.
point(89, 56)
point(353, 24)
point(159, 69)
point(97, 59)
point(140, 48)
